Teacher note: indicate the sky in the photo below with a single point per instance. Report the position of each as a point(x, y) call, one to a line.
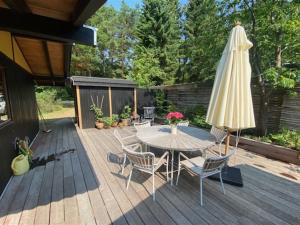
point(132, 3)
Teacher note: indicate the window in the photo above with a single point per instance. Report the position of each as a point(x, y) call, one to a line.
point(4, 106)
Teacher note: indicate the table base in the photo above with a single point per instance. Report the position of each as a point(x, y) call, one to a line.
point(230, 175)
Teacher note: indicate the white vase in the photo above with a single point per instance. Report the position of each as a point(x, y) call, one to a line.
point(173, 129)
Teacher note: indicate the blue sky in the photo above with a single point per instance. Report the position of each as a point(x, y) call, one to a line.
point(132, 3)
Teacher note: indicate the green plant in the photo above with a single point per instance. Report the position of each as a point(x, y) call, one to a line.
point(97, 111)
point(288, 138)
point(162, 105)
point(107, 121)
point(126, 113)
point(197, 116)
point(115, 118)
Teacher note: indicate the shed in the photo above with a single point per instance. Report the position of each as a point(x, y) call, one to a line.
point(116, 93)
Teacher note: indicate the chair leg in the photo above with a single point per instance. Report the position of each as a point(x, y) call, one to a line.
point(221, 181)
point(167, 168)
point(129, 178)
point(178, 174)
point(153, 186)
point(201, 200)
point(123, 164)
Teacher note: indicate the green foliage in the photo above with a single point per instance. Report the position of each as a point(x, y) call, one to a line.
point(197, 115)
point(107, 121)
point(287, 138)
point(97, 111)
point(48, 99)
point(162, 105)
point(115, 118)
point(126, 113)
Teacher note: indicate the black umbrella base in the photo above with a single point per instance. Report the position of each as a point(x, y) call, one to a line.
point(230, 175)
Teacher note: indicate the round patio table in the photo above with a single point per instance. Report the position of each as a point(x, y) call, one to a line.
point(186, 139)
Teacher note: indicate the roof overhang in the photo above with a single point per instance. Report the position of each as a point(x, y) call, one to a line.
point(49, 29)
point(101, 82)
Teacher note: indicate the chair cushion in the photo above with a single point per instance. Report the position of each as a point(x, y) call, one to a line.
point(196, 165)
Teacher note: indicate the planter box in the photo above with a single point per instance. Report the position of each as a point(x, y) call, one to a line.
point(269, 150)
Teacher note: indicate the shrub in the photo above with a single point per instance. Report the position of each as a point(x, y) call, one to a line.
point(288, 138)
point(126, 113)
point(197, 116)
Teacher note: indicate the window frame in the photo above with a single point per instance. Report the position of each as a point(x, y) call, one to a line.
point(6, 98)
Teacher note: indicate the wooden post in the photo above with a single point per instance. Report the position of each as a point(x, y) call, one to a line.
point(78, 106)
point(227, 142)
point(110, 101)
point(135, 101)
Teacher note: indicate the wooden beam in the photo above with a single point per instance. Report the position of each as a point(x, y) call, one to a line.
point(110, 101)
point(18, 5)
point(36, 26)
point(49, 78)
point(67, 59)
point(78, 106)
point(84, 10)
point(48, 61)
point(135, 101)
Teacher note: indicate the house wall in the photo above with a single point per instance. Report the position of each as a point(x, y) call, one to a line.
point(24, 122)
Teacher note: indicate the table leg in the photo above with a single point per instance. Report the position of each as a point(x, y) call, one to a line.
point(172, 166)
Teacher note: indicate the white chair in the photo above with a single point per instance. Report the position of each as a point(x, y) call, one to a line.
point(219, 135)
point(203, 167)
point(145, 162)
point(183, 123)
point(124, 142)
point(149, 113)
point(142, 124)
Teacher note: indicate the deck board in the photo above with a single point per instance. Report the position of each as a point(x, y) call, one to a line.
point(86, 187)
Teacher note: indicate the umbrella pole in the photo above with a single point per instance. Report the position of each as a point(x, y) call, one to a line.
point(227, 142)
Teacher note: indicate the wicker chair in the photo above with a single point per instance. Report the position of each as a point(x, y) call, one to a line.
point(149, 113)
point(145, 162)
point(203, 167)
point(219, 135)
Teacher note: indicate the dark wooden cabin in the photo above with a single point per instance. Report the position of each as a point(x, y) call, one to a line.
point(36, 39)
point(116, 93)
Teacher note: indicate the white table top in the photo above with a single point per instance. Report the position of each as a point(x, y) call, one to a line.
point(186, 139)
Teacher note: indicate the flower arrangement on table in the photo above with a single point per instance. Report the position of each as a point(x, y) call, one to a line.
point(174, 118)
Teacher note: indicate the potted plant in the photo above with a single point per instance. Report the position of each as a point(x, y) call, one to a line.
point(174, 118)
point(107, 122)
point(98, 113)
point(98, 116)
point(115, 120)
point(125, 115)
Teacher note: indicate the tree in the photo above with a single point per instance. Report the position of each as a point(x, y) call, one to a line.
point(158, 29)
point(205, 35)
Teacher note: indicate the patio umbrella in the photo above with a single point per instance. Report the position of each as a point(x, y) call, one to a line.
point(230, 105)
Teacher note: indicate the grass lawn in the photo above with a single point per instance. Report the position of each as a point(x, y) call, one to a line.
point(64, 112)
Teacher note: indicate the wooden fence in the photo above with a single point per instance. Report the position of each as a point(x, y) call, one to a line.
point(284, 111)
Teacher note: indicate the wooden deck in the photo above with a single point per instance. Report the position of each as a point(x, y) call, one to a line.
point(86, 187)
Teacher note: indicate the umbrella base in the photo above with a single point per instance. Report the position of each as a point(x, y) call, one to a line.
point(230, 175)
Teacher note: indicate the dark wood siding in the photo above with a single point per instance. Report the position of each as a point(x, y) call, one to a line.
point(24, 121)
point(145, 97)
point(88, 117)
point(120, 98)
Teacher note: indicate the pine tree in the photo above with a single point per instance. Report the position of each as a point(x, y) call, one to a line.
point(158, 29)
point(205, 35)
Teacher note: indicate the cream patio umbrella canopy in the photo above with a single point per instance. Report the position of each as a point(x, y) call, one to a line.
point(231, 104)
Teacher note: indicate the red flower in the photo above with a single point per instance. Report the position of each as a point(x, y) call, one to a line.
point(174, 115)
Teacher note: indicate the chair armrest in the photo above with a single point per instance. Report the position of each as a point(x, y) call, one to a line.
point(130, 136)
point(166, 154)
point(188, 159)
point(135, 147)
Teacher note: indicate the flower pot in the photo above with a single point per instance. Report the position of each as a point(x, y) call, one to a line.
point(125, 122)
point(99, 125)
point(20, 165)
point(173, 129)
point(115, 124)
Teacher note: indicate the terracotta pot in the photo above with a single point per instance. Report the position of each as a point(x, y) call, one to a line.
point(115, 124)
point(125, 122)
point(99, 125)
